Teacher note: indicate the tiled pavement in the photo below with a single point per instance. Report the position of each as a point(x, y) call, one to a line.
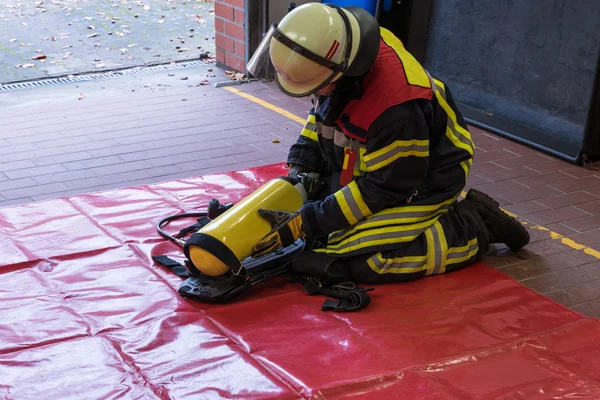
point(66, 146)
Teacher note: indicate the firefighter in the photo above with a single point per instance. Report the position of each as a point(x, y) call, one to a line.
point(392, 146)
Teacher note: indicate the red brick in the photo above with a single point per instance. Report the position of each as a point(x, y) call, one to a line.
point(584, 224)
point(592, 207)
point(588, 291)
point(501, 174)
point(33, 191)
point(224, 42)
point(526, 207)
point(565, 298)
point(561, 229)
point(558, 280)
point(492, 156)
point(577, 184)
point(556, 215)
point(568, 199)
point(17, 148)
point(240, 48)
point(595, 191)
point(234, 62)
point(92, 163)
point(519, 161)
point(14, 165)
point(589, 238)
point(568, 259)
point(88, 183)
point(234, 30)
point(35, 171)
point(499, 187)
point(544, 248)
point(18, 184)
point(518, 196)
point(542, 179)
point(236, 3)
point(219, 25)
point(579, 172)
point(525, 270)
point(239, 16)
point(519, 149)
point(64, 176)
point(592, 269)
point(224, 11)
point(114, 151)
point(220, 56)
point(591, 309)
point(550, 166)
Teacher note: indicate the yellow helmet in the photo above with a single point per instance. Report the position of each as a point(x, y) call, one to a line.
point(316, 44)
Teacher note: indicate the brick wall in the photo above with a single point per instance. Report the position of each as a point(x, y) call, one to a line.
point(230, 36)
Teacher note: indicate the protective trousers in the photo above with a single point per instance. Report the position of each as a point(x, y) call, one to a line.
point(457, 239)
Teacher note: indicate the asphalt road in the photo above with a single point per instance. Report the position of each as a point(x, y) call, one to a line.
point(46, 38)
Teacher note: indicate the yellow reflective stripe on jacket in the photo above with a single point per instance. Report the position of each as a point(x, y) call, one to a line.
point(458, 135)
point(395, 216)
point(398, 265)
point(310, 129)
point(400, 148)
point(352, 204)
point(415, 73)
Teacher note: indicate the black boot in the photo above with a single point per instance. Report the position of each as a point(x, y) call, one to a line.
point(502, 227)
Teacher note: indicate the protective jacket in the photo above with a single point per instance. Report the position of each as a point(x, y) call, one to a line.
point(397, 148)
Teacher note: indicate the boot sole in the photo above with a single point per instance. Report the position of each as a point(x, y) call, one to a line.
point(493, 206)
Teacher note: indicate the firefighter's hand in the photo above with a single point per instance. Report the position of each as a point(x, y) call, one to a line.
point(286, 229)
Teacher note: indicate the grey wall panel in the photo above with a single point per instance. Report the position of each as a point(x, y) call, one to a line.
point(531, 62)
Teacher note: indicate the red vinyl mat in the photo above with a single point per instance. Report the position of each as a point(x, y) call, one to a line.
point(86, 314)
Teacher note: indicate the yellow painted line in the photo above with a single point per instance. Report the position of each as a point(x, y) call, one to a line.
point(266, 104)
point(556, 236)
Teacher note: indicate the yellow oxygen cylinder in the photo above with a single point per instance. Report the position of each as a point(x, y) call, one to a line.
point(225, 242)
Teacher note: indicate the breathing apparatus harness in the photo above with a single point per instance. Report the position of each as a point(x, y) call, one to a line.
point(346, 296)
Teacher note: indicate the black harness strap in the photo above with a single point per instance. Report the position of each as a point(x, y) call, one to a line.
point(349, 297)
point(175, 267)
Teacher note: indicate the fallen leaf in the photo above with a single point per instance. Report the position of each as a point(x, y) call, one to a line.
point(81, 96)
point(88, 18)
point(25, 65)
point(92, 35)
point(12, 40)
point(132, 45)
point(123, 51)
point(160, 21)
point(205, 82)
point(100, 65)
point(184, 78)
point(276, 141)
point(69, 23)
point(67, 46)
point(23, 23)
point(38, 51)
point(40, 57)
point(92, 27)
point(53, 39)
point(39, 3)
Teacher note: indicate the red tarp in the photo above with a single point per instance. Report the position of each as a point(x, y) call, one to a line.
point(86, 314)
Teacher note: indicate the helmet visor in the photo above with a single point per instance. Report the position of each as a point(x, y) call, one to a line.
point(297, 71)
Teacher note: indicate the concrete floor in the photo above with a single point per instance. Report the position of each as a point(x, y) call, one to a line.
point(155, 127)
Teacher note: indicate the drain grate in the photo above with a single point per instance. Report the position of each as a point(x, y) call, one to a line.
point(100, 75)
